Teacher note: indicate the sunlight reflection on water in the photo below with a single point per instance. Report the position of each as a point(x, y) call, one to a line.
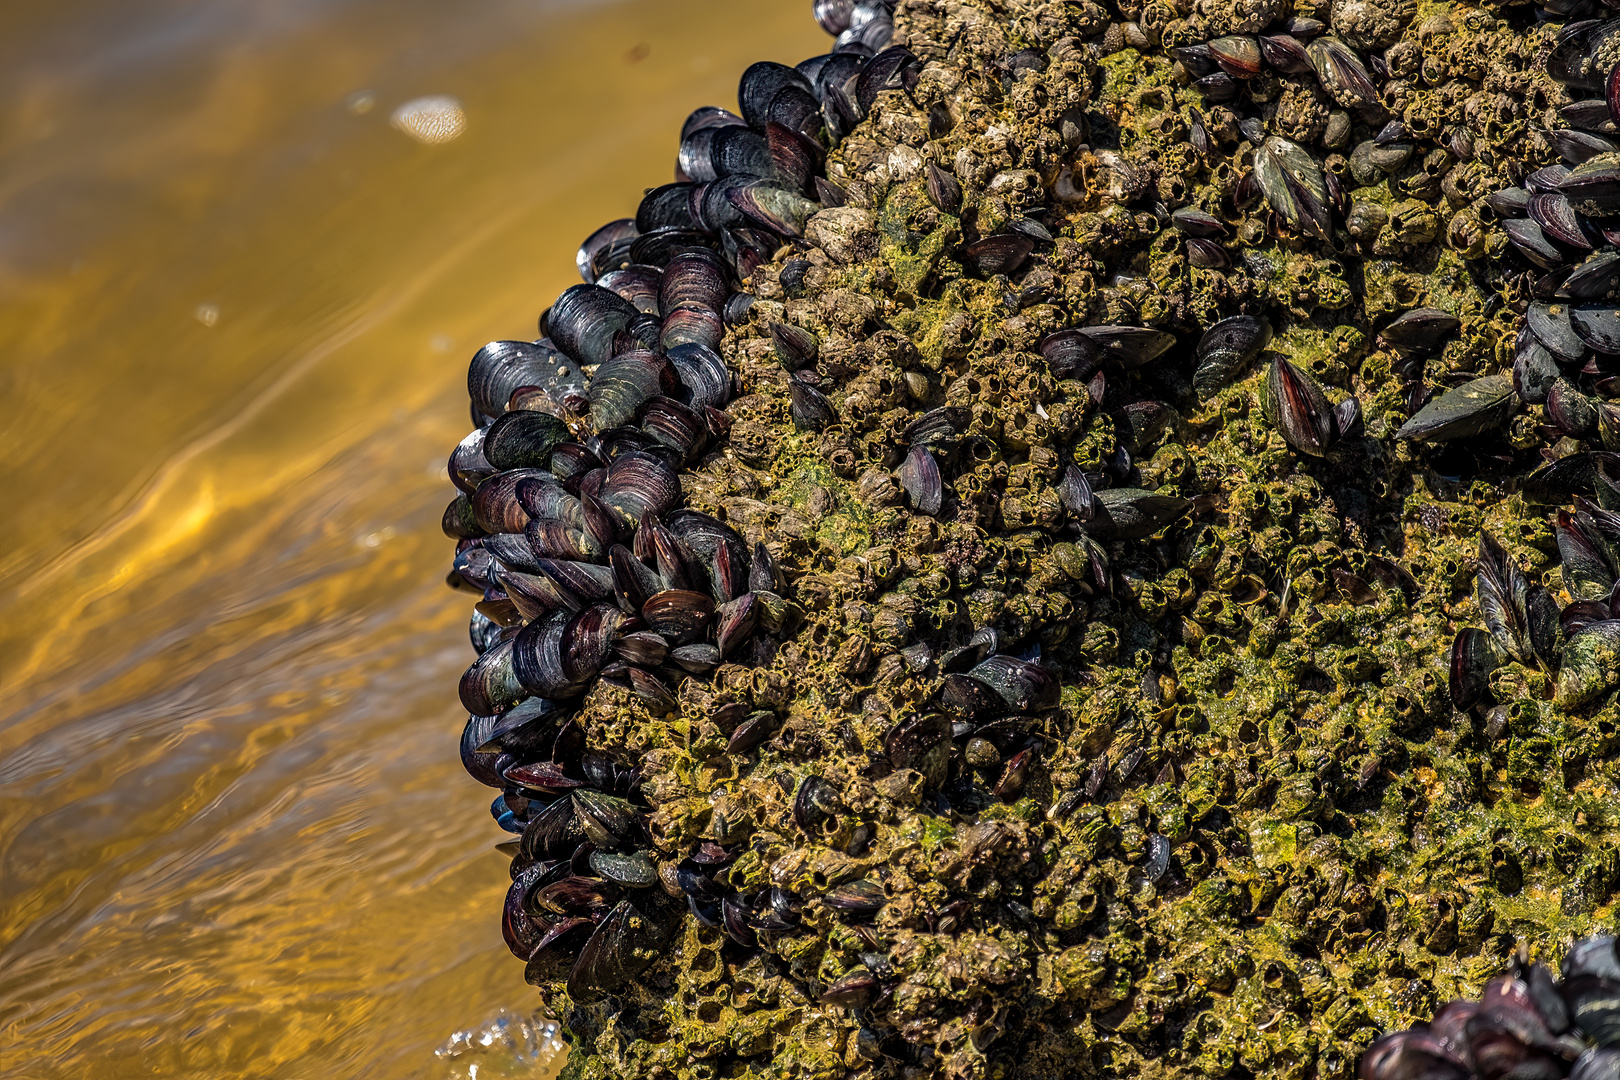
point(235, 839)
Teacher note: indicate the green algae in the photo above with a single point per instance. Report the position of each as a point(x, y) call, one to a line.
point(1347, 850)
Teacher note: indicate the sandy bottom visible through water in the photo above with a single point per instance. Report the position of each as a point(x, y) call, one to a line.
point(236, 305)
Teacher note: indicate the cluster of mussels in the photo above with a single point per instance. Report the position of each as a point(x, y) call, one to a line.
point(966, 584)
point(1526, 1024)
point(1564, 219)
point(572, 529)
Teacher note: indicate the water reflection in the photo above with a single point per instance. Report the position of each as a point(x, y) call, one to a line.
point(234, 839)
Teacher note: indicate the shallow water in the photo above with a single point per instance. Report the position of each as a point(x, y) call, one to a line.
point(235, 311)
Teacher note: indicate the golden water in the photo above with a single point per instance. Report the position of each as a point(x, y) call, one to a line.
point(235, 311)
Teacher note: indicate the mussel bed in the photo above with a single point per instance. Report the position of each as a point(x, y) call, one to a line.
point(1075, 541)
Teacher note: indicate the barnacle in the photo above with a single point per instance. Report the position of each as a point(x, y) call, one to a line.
point(1067, 543)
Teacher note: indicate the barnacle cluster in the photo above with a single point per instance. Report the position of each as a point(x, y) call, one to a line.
point(1072, 540)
